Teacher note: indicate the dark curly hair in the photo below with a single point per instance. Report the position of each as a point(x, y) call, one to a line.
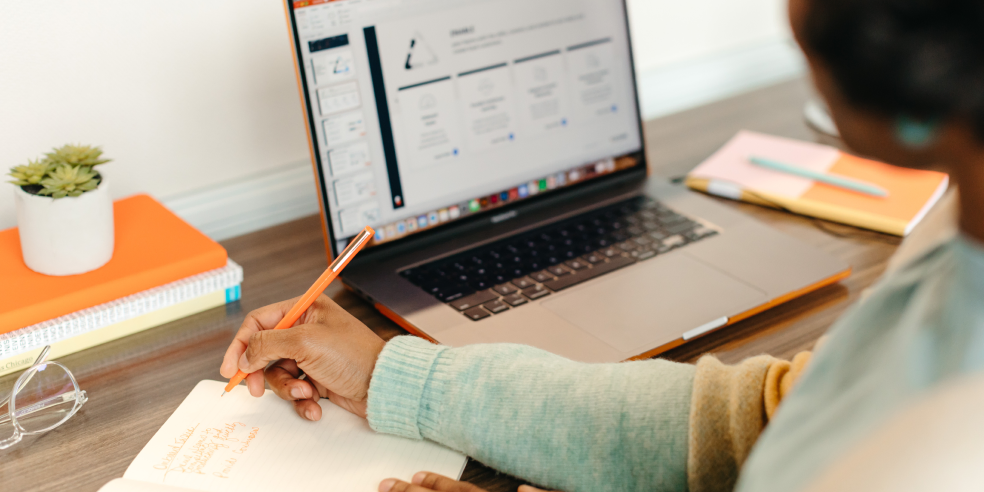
point(921, 59)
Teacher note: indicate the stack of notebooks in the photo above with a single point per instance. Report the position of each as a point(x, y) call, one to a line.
point(162, 269)
point(730, 173)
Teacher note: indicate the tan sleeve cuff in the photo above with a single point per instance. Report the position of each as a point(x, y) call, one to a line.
point(727, 413)
point(729, 408)
point(779, 380)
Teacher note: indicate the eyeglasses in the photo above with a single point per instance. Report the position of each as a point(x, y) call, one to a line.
point(42, 398)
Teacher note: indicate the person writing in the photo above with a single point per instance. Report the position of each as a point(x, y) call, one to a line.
point(904, 80)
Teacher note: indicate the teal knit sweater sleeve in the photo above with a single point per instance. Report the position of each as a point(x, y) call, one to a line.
point(561, 424)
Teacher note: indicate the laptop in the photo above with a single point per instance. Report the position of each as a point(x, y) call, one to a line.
point(496, 147)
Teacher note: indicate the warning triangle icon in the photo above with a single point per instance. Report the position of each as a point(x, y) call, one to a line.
point(419, 53)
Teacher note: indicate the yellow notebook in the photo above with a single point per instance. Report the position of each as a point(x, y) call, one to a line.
point(728, 173)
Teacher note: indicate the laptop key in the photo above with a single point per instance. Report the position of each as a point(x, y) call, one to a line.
point(476, 313)
point(473, 300)
point(589, 273)
point(506, 289)
point(674, 241)
point(523, 282)
point(658, 235)
point(542, 276)
point(680, 227)
point(703, 231)
point(515, 299)
point(645, 254)
point(594, 258)
point(536, 292)
point(610, 252)
point(577, 264)
point(559, 270)
point(495, 307)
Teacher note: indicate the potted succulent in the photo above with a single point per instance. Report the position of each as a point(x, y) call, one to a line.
point(64, 211)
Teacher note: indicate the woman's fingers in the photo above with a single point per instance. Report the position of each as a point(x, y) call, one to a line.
point(282, 377)
point(264, 318)
point(254, 382)
point(427, 482)
point(308, 409)
point(272, 345)
point(434, 481)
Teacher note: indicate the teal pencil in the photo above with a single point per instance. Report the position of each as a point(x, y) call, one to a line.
point(839, 181)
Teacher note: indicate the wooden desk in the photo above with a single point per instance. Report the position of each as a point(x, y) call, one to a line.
point(135, 383)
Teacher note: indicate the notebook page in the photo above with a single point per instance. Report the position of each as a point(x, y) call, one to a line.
point(240, 443)
point(124, 485)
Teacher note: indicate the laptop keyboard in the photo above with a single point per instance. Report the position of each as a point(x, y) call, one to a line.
point(496, 277)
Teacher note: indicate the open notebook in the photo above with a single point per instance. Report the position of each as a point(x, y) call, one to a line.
point(240, 443)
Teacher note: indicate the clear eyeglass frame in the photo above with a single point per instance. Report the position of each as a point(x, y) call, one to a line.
point(38, 400)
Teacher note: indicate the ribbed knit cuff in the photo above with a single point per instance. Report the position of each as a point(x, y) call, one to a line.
point(396, 391)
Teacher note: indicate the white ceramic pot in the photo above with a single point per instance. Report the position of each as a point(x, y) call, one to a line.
point(65, 236)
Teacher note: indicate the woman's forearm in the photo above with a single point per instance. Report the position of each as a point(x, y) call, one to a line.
point(538, 416)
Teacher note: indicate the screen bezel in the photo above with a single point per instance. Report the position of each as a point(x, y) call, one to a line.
point(642, 168)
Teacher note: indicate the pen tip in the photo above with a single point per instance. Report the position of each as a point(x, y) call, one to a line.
point(223, 394)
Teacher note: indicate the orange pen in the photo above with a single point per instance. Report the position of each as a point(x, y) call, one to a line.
point(319, 286)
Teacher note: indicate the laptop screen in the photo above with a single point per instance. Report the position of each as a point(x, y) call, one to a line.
point(424, 112)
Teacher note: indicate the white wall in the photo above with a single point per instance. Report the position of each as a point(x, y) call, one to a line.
point(197, 103)
point(182, 94)
point(668, 32)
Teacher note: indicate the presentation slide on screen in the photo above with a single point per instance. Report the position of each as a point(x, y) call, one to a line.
point(358, 216)
point(333, 66)
point(338, 98)
point(349, 159)
point(355, 188)
point(344, 127)
point(429, 115)
point(480, 97)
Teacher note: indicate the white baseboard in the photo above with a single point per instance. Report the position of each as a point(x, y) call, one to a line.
point(251, 203)
point(685, 85)
point(287, 193)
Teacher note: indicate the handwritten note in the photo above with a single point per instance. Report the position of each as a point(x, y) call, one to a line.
point(240, 443)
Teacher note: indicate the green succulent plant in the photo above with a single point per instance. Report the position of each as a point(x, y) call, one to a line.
point(65, 171)
point(67, 180)
point(29, 174)
point(76, 155)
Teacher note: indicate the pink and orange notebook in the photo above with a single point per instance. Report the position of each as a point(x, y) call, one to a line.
point(728, 173)
point(153, 247)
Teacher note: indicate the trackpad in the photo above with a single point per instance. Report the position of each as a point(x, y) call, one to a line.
point(654, 302)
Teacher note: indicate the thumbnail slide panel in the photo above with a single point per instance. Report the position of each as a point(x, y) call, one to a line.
point(356, 217)
point(344, 127)
point(348, 159)
point(338, 98)
point(332, 66)
point(354, 189)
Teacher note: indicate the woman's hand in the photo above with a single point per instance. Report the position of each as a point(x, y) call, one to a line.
point(335, 350)
point(432, 482)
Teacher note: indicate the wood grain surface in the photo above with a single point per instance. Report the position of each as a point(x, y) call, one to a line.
point(135, 383)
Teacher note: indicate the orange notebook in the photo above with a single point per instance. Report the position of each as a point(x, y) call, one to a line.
point(153, 247)
point(728, 173)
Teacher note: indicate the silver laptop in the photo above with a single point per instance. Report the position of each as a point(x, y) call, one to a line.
point(496, 147)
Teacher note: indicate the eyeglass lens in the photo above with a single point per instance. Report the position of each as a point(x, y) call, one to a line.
point(43, 397)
